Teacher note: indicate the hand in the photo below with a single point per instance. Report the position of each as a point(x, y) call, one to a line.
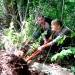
point(27, 58)
point(45, 40)
point(19, 53)
point(40, 48)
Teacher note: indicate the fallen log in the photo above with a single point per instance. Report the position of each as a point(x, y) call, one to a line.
point(37, 52)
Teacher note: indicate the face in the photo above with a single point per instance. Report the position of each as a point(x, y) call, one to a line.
point(55, 27)
point(40, 20)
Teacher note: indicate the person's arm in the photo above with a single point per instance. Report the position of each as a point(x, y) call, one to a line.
point(50, 43)
point(42, 47)
point(64, 32)
point(45, 40)
point(37, 33)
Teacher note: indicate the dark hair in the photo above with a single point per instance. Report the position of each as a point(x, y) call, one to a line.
point(41, 16)
point(13, 65)
point(47, 18)
point(59, 22)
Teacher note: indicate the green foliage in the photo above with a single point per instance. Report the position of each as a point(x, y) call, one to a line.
point(61, 41)
point(17, 38)
point(36, 44)
point(63, 54)
point(73, 69)
point(1, 8)
point(30, 27)
point(51, 8)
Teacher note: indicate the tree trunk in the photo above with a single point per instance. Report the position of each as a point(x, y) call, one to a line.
point(15, 11)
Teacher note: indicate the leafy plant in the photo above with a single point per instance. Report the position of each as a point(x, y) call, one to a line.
point(63, 54)
point(36, 43)
point(73, 69)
